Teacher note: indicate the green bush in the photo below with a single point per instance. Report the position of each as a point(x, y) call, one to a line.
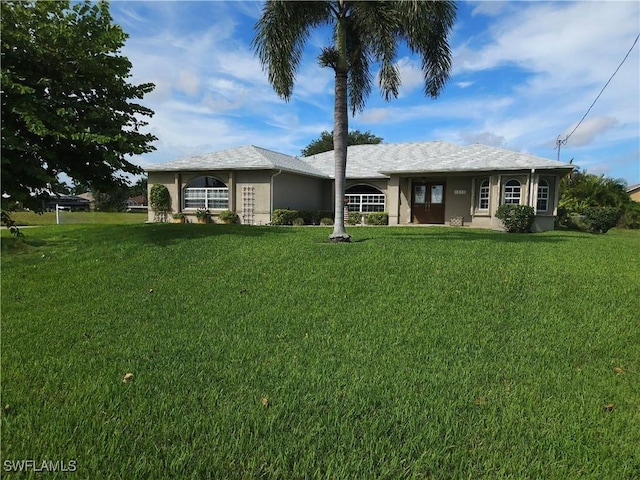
point(326, 221)
point(228, 216)
point(376, 218)
point(160, 201)
point(516, 218)
point(298, 222)
point(283, 216)
point(630, 216)
point(354, 218)
point(601, 219)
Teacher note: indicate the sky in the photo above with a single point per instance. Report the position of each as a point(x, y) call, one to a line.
point(524, 74)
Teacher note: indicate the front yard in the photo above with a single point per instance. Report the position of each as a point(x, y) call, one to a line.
point(269, 352)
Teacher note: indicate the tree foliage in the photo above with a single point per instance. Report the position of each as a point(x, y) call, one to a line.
point(364, 33)
point(325, 142)
point(582, 190)
point(596, 202)
point(67, 106)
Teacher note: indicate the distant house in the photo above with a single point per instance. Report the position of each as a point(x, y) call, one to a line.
point(137, 204)
point(415, 183)
point(73, 203)
point(89, 197)
point(634, 192)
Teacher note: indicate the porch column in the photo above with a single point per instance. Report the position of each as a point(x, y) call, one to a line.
point(176, 183)
point(232, 191)
point(393, 199)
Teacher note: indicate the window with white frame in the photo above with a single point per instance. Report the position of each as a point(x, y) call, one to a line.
point(542, 204)
point(207, 193)
point(365, 198)
point(483, 195)
point(512, 192)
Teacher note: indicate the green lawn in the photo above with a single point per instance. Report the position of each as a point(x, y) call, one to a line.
point(431, 353)
point(66, 218)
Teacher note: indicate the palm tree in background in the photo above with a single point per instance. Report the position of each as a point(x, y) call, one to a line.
point(363, 33)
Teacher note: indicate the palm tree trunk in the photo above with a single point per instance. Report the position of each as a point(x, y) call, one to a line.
point(340, 136)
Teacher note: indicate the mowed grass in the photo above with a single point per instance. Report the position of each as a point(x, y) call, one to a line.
point(263, 352)
point(66, 218)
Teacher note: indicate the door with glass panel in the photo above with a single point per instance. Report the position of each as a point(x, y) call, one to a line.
point(427, 203)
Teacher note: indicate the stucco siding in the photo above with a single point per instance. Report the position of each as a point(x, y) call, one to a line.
point(542, 224)
point(457, 199)
point(297, 192)
point(168, 179)
point(252, 196)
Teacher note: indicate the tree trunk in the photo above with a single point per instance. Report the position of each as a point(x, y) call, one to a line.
point(340, 136)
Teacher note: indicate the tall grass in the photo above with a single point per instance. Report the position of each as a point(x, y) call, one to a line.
point(269, 352)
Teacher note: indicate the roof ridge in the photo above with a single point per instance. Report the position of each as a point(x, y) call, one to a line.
point(273, 151)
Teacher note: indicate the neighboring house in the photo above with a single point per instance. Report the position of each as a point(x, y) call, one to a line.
point(89, 197)
point(415, 183)
point(137, 204)
point(73, 203)
point(634, 192)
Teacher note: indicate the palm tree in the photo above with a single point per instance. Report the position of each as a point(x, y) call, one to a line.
point(363, 33)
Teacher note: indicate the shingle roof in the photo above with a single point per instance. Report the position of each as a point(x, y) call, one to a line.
point(247, 157)
point(379, 161)
point(631, 188)
point(370, 161)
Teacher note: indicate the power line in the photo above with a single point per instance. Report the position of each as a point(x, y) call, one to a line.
point(560, 142)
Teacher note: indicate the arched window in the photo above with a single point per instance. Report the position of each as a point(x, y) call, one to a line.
point(542, 205)
point(206, 193)
point(483, 195)
point(512, 192)
point(365, 198)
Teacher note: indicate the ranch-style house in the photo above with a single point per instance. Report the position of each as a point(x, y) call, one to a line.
point(414, 183)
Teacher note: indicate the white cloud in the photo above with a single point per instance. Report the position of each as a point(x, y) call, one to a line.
point(188, 82)
point(590, 129)
point(410, 75)
point(485, 138)
point(489, 8)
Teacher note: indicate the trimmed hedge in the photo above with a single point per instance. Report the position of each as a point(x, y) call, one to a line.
point(309, 217)
point(288, 217)
point(376, 218)
point(354, 218)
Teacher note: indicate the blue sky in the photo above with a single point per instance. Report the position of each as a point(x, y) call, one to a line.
point(524, 73)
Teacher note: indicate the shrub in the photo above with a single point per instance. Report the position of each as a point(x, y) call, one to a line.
point(377, 218)
point(228, 216)
point(298, 222)
point(160, 201)
point(326, 221)
point(516, 218)
point(283, 216)
point(354, 218)
point(601, 219)
point(631, 216)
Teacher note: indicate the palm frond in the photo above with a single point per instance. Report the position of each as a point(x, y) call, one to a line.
point(425, 26)
point(281, 33)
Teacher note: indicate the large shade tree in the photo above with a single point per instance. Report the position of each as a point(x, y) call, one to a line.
point(325, 142)
point(364, 33)
point(67, 104)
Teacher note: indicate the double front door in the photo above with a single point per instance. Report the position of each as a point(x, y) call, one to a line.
point(427, 203)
